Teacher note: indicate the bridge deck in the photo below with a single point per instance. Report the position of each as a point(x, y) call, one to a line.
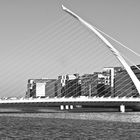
point(70, 100)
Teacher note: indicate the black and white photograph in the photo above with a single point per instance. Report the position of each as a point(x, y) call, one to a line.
point(69, 70)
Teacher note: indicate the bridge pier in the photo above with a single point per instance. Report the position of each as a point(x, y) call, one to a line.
point(61, 107)
point(67, 107)
point(122, 108)
point(71, 106)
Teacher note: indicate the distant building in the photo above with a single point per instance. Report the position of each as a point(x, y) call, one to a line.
point(104, 84)
point(95, 84)
point(111, 73)
point(137, 73)
point(71, 86)
point(41, 88)
point(112, 81)
point(89, 84)
point(100, 83)
point(67, 85)
point(124, 86)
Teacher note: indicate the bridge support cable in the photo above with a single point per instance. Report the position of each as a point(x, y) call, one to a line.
point(125, 90)
point(118, 84)
point(105, 95)
point(67, 93)
point(120, 45)
point(113, 50)
point(131, 62)
point(117, 41)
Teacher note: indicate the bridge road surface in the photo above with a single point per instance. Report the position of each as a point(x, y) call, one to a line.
point(72, 103)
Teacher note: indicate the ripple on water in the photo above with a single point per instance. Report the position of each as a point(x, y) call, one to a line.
point(69, 129)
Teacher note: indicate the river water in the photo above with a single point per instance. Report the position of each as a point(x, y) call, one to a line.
point(70, 126)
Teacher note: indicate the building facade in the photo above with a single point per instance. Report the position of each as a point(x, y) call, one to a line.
point(112, 81)
point(124, 86)
point(89, 84)
point(95, 85)
point(66, 85)
point(41, 88)
point(71, 85)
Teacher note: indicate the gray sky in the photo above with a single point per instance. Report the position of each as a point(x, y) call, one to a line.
point(38, 39)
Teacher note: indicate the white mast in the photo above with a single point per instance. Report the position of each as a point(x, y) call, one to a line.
point(114, 51)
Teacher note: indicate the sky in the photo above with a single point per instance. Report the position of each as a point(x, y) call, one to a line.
point(39, 40)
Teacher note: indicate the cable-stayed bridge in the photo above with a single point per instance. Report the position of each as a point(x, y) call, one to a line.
point(65, 103)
